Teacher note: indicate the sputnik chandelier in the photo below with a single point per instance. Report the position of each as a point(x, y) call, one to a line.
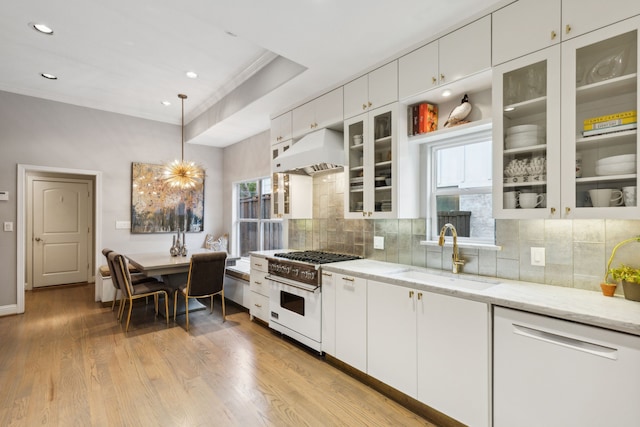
point(181, 173)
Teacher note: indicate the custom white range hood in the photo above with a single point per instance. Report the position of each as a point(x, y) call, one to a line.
point(319, 151)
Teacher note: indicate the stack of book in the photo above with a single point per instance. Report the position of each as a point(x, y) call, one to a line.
point(617, 122)
point(423, 118)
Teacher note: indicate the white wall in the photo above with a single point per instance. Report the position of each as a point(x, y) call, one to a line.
point(45, 133)
point(247, 159)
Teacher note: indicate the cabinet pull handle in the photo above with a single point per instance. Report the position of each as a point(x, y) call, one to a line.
point(364, 106)
point(441, 77)
point(567, 210)
point(567, 29)
point(434, 80)
point(257, 265)
point(364, 214)
point(419, 296)
point(553, 211)
point(561, 340)
point(410, 294)
point(370, 213)
point(327, 274)
point(553, 35)
point(258, 305)
point(257, 282)
point(348, 279)
point(369, 104)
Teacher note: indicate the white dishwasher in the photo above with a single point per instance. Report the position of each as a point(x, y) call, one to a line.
point(550, 372)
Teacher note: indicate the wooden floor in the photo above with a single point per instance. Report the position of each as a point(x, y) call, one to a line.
point(67, 362)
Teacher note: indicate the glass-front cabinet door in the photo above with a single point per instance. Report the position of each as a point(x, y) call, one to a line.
point(599, 136)
point(526, 136)
point(369, 141)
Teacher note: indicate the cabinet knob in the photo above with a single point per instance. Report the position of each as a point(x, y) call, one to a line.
point(419, 296)
point(441, 77)
point(553, 211)
point(567, 29)
point(410, 294)
point(567, 210)
point(370, 213)
point(364, 214)
point(553, 35)
point(258, 305)
point(369, 104)
point(364, 106)
point(434, 80)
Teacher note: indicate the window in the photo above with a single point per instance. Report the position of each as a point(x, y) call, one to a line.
point(459, 187)
point(255, 230)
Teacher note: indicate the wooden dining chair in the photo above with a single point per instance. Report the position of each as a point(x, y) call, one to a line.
point(132, 292)
point(206, 279)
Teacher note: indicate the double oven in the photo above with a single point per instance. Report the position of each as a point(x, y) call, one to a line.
point(295, 294)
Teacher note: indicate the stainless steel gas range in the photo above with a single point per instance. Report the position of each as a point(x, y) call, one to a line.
point(295, 300)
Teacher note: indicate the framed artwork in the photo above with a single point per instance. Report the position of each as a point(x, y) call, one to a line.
point(159, 208)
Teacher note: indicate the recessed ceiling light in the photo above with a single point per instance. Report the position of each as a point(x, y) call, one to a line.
point(49, 76)
point(446, 93)
point(166, 103)
point(192, 74)
point(41, 28)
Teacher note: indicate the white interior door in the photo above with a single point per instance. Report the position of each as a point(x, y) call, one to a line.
point(60, 232)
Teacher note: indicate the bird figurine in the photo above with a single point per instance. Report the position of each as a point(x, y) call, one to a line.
point(458, 114)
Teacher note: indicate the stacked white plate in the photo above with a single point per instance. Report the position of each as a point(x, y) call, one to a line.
point(524, 136)
point(616, 165)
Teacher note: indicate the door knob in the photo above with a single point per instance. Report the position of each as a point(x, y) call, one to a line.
point(37, 239)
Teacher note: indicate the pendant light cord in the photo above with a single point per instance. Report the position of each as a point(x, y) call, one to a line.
point(182, 97)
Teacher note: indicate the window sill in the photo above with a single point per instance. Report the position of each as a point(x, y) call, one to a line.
point(468, 245)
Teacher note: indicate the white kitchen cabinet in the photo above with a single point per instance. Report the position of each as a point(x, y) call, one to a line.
point(322, 112)
point(526, 92)
point(581, 16)
point(259, 289)
point(382, 167)
point(277, 150)
point(459, 54)
point(351, 321)
point(551, 372)
point(281, 128)
point(373, 90)
point(599, 77)
point(237, 290)
point(328, 313)
point(391, 341)
point(523, 27)
point(588, 89)
point(453, 336)
point(291, 196)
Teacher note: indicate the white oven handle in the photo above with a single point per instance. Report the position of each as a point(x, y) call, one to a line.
point(293, 284)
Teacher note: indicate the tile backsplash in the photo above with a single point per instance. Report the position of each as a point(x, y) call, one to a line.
point(576, 251)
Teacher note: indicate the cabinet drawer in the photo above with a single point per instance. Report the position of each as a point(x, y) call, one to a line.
point(258, 283)
point(259, 306)
point(259, 264)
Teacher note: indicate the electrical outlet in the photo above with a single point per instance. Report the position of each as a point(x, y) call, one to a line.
point(378, 242)
point(537, 256)
point(8, 226)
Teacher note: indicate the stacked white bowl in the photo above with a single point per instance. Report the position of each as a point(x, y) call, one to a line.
point(524, 136)
point(616, 165)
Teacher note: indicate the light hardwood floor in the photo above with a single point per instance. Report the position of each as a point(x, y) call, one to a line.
point(67, 362)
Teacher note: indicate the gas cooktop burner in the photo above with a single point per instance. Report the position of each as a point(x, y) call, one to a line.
point(316, 257)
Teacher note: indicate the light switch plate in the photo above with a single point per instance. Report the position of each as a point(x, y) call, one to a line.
point(537, 256)
point(123, 225)
point(378, 242)
point(8, 226)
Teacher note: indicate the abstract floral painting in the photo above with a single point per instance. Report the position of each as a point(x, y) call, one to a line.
point(160, 208)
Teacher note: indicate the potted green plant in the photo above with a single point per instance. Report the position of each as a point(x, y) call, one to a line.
point(627, 276)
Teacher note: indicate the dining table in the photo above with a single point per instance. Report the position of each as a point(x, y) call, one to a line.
point(174, 271)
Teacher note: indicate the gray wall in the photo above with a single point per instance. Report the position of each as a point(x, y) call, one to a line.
point(45, 133)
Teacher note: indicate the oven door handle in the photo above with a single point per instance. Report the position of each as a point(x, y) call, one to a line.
point(302, 286)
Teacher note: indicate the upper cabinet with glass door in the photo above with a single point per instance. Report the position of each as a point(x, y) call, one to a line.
point(599, 133)
point(526, 135)
point(382, 167)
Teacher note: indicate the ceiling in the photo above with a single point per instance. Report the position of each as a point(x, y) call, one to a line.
point(254, 58)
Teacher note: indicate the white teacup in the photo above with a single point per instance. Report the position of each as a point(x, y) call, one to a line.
point(510, 199)
point(629, 195)
point(605, 197)
point(357, 139)
point(543, 203)
point(530, 200)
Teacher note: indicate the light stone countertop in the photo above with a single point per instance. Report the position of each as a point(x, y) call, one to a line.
point(588, 307)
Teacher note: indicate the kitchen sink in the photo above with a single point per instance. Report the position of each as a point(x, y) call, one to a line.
point(442, 280)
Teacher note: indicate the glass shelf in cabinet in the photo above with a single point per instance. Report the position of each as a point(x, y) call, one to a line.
point(525, 108)
point(530, 149)
point(606, 178)
point(610, 139)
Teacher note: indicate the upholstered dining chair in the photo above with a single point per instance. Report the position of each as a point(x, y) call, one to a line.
point(141, 290)
point(206, 279)
point(135, 279)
